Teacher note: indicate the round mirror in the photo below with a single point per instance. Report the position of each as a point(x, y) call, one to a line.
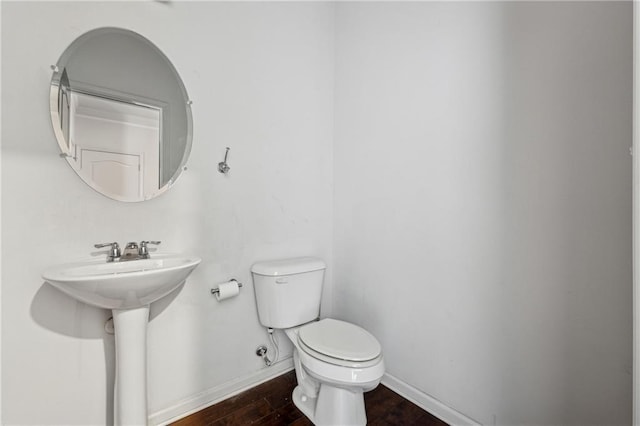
point(121, 114)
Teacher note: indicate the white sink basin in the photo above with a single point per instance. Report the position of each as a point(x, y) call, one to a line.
point(122, 285)
point(127, 288)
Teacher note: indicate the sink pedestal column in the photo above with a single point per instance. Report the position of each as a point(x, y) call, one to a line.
point(130, 393)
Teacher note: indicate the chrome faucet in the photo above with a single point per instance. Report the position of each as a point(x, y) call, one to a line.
point(132, 251)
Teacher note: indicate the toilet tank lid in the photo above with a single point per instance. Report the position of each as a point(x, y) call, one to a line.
point(288, 266)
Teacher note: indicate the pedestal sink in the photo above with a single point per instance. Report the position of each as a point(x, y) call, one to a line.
point(127, 288)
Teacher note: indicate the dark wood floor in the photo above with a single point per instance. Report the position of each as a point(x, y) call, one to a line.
point(270, 404)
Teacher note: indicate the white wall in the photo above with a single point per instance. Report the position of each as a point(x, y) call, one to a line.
point(482, 209)
point(261, 79)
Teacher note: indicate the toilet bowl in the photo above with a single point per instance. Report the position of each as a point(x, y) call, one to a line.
point(335, 361)
point(339, 352)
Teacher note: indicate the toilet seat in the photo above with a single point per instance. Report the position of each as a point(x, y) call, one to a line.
point(339, 343)
point(362, 375)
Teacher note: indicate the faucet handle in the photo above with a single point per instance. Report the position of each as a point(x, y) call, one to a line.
point(144, 243)
point(114, 250)
point(112, 245)
point(143, 251)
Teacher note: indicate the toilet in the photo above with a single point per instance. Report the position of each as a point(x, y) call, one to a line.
point(335, 361)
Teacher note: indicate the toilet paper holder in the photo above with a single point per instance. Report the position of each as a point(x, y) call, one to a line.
point(217, 290)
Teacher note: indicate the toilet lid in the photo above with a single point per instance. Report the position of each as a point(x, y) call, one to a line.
point(339, 339)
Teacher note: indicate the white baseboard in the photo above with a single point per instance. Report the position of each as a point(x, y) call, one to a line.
point(219, 393)
point(427, 402)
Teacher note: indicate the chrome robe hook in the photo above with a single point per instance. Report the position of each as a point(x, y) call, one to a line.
point(223, 167)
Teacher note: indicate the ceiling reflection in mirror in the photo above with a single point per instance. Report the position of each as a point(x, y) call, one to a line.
point(121, 114)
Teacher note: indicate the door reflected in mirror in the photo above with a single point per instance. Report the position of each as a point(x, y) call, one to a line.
point(121, 114)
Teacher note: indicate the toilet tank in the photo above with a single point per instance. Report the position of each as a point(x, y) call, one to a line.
point(288, 291)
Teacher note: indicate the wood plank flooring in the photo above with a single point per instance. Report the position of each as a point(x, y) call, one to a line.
point(270, 404)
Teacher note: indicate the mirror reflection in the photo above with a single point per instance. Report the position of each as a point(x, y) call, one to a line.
point(121, 114)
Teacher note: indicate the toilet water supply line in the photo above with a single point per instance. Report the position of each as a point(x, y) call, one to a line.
point(262, 350)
